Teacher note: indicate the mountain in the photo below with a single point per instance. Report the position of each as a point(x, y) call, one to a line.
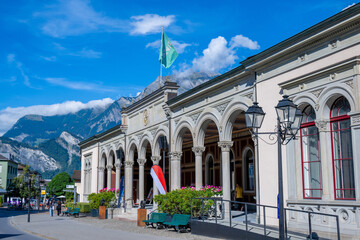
point(49, 144)
point(36, 129)
point(29, 155)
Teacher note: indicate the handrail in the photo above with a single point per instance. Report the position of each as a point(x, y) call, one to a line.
point(309, 213)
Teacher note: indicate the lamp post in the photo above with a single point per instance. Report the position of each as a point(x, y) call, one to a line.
point(289, 118)
point(27, 180)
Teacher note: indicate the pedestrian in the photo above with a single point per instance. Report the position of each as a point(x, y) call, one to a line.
point(58, 208)
point(239, 196)
point(51, 208)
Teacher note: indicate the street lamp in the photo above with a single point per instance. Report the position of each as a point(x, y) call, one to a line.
point(27, 180)
point(289, 118)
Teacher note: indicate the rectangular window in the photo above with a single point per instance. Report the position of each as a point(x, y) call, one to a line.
point(311, 163)
point(343, 160)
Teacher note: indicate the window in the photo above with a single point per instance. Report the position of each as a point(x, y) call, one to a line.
point(249, 171)
point(310, 155)
point(343, 169)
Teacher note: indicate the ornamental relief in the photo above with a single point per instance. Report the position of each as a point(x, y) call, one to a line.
point(350, 83)
point(221, 108)
point(355, 120)
point(317, 92)
point(195, 117)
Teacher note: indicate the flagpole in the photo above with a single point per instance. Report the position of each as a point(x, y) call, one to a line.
point(161, 42)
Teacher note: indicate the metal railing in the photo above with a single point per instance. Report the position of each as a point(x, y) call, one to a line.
point(208, 209)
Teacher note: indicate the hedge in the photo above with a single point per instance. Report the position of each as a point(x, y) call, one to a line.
point(84, 207)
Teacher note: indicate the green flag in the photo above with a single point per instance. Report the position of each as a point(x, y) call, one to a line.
point(168, 53)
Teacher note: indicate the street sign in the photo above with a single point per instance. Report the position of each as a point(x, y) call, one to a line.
point(43, 192)
point(70, 186)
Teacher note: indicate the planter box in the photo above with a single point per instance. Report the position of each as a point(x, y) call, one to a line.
point(94, 212)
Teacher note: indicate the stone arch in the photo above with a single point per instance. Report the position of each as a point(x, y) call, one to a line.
point(120, 147)
point(204, 120)
point(111, 157)
point(131, 150)
point(180, 130)
point(304, 100)
point(162, 131)
point(235, 107)
point(328, 97)
point(146, 139)
point(103, 159)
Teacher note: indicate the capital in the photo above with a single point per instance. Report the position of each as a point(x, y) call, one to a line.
point(101, 169)
point(225, 145)
point(155, 159)
point(109, 167)
point(118, 165)
point(198, 150)
point(129, 164)
point(175, 156)
point(141, 162)
point(321, 125)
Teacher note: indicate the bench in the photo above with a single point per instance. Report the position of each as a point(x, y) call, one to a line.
point(156, 218)
point(75, 212)
point(66, 212)
point(179, 222)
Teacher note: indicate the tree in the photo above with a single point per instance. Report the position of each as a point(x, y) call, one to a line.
point(58, 184)
point(18, 188)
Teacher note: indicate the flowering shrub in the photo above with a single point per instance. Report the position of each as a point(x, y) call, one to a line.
point(107, 194)
point(179, 201)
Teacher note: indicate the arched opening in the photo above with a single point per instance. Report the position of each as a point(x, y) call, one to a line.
point(209, 170)
point(243, 165)
point(187, 170)
point(111, 162)
point(209, 135)
point(103, 172)
point(135, 173)
point(148, 181)
point(162, 149)
point(342, 155)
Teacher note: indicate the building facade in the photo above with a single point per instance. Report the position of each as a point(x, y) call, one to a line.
point(8, 170)
point(208, 142)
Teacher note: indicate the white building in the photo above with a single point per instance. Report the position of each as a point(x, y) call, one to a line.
point(209, 143)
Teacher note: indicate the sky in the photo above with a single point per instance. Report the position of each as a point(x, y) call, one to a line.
point(59, 57)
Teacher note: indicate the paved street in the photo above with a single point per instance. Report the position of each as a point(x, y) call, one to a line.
point(86, 228)
point(8, 231)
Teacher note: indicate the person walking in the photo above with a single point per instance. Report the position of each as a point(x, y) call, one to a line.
point(239, 196)
point(51, 208)
point(58, 208)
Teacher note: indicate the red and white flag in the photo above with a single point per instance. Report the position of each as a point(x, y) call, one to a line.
point(158, 176)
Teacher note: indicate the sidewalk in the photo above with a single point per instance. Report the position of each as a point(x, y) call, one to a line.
point(85, 228)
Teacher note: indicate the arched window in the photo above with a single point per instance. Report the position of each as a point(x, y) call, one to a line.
point(249, 170)
point(310, 155)
point(344, 184)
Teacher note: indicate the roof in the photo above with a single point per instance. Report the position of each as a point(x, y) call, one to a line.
point(3, 158)
point(99, 135)
point(345, 14)
point(76, 175)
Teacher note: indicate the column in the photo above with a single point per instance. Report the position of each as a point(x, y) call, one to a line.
point(325, 159)
point(141, 163)
point(109, 170)
point(225, 164)
point(355, 138)
point(100, 178)
point(198, 166)
point(128, 184)
point(175, 161)
point(155, 160)
point(86, 181)
point(118, 172)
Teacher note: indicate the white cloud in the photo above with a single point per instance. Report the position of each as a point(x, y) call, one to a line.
point(12, 60)
point(150, 23)
point(49, 59)
point(241, 41)
point(348, 6)
point(86, 53)
point(218, 55)
point(76, 17)
point(180, 47)
point(77, 85)
point(9, 116)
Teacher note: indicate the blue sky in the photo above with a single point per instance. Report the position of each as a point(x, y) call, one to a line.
point(61, 56)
